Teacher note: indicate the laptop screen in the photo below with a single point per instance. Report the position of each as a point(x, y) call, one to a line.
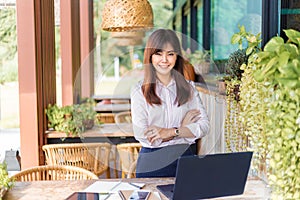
point(212, 175)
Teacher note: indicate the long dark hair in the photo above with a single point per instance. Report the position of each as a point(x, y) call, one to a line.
point(155, 43)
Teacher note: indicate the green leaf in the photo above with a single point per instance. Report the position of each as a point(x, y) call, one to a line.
point(287, 71)
point(288, 82)
point(235, 38)
point(296, 65)
point(274, 44)
point(271, 63)
point(293, 35)
point(242, 29)
point(258, 76)
point(249, 50)
point(283, 59)
point(288, 133)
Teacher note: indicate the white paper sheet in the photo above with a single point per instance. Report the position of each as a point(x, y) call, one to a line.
point(109, 189)
point(112, 186)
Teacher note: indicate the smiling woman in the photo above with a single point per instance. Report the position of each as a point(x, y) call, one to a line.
point(167, 112)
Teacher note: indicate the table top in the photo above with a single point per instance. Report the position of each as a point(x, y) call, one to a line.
point(104, 130)
point(255, 189)
point(114, 96)
point(112, 108)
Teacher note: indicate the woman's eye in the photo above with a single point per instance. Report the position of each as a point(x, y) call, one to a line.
point(171, 54)
point(158, 53)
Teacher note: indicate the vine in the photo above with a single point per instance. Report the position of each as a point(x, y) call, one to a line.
point(278, 66)
point(253, 103)
point(235, 141)
point(270, 109)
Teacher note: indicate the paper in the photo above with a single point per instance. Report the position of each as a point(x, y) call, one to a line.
point(109, 189)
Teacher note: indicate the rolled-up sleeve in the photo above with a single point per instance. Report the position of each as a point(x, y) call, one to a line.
point(139, 113)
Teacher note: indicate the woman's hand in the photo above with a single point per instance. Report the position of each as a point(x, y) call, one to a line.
point(191, 117)
point(156, 134)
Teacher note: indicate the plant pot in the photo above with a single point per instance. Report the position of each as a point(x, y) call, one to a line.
point(202, 68)
point(88, 123)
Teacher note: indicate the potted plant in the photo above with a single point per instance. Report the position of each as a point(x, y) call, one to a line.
point(72, 119)
point(5, 181)
point(200, 59)
point(234, 72)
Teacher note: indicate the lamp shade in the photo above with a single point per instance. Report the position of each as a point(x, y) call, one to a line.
point(129, 15)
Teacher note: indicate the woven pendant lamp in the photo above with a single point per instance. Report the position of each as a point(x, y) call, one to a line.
point(127, 15)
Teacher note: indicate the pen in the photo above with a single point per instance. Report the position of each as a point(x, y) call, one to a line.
point(115, 186)
point(112, 190)
point(134, 185)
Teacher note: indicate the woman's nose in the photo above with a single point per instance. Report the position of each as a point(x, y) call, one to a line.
point(164, 57)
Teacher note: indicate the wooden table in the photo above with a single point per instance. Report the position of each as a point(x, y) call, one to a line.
point(40, 190)
point(112, 133)
point(113, 108)
point(112, 97)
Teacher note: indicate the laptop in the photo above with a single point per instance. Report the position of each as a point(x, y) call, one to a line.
point(209, 176)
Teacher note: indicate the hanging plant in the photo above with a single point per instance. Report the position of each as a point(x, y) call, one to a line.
point(235, 141)
point(253, 114)
point(270, 100)
point(254, 103)
point(278, 66)
point(235, 138)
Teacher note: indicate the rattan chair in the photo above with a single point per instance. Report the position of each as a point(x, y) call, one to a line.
point(132, 169)
point(123, 117)
point(54, 172)
point(128, 153)
point(91, 156)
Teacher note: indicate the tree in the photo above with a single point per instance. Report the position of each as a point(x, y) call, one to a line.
point(8, 44)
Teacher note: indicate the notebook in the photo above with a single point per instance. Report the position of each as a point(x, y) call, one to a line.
point(209, 176)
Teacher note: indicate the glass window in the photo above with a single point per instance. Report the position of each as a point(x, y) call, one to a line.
point(290, 14)
point(200, 22)
point(9, 85)
point(226, 15)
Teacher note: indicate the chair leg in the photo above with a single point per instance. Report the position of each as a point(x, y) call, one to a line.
point(113, 154)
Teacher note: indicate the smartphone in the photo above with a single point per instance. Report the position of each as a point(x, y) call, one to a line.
point(139, 195)
point(83, 196)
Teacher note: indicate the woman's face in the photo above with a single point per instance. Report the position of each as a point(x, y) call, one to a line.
point(164, 61)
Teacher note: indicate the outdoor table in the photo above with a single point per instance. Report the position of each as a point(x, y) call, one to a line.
point(255, 189)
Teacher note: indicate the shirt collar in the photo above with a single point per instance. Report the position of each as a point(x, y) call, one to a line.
point(161, 85)
point(171, 87)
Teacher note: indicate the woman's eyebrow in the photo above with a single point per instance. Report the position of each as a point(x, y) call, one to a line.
point(171, 51)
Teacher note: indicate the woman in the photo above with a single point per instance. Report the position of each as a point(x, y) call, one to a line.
point(167, 112)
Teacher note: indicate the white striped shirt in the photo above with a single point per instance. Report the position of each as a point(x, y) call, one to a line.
point(167, 115)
